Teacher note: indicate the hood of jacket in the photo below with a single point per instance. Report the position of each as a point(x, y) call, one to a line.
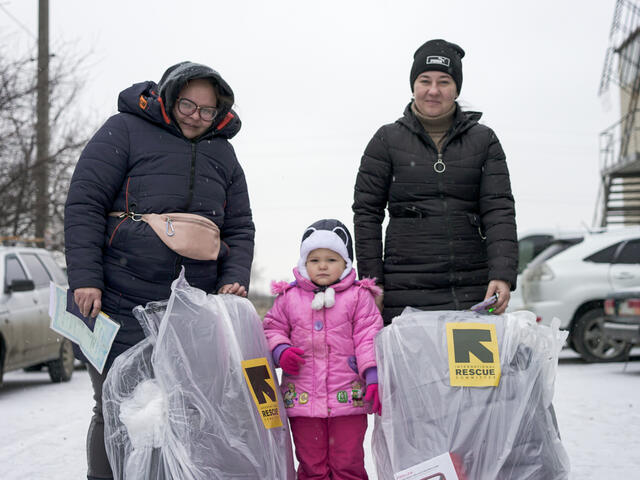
point(154, 102)
point(177, 76)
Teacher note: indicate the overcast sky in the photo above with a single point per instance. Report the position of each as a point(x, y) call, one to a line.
point(315, 80)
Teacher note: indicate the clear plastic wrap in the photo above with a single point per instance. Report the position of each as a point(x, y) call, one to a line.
point(177, 405)
point(503, 432)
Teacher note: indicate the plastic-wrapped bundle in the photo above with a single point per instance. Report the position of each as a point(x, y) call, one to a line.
point(502, 432)
point(177, 405)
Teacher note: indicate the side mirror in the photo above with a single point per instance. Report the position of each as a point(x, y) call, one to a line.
point(20, 285)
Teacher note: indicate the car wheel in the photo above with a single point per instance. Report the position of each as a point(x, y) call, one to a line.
point(591, 342)
point(61, 369)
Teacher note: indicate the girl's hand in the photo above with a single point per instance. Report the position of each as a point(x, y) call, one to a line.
point(291, 359)
point(373, 397)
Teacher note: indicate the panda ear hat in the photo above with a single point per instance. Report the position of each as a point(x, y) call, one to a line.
point(328, 233)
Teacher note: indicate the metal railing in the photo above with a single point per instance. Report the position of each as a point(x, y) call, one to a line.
point(611, 141)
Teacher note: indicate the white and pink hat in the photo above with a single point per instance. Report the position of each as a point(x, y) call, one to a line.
point(328, 233)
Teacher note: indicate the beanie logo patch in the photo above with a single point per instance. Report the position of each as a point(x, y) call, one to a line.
point(438, 60)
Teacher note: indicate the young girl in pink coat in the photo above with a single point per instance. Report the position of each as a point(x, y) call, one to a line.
point(321, 332)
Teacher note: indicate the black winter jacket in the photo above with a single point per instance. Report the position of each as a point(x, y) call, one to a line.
point(449, 233)
point(140, 162)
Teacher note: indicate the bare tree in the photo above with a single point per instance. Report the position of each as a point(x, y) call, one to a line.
point(18, 164)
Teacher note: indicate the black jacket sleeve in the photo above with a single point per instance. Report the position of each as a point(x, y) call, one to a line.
point(237, 233)
point(498, 215)
point(370, 199)
point(96, 180)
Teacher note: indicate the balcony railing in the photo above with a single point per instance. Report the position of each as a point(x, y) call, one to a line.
point(613, 138)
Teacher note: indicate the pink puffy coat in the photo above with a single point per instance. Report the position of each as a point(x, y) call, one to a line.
point(326, 386)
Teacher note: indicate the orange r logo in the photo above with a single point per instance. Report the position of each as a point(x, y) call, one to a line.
point(143, 103)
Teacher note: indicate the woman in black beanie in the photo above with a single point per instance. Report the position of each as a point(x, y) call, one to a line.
point(451, 239)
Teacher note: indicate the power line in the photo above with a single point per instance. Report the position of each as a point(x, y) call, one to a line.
point(18, 22)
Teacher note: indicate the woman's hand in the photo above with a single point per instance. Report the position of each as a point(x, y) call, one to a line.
point(503, 289)
point(89, 300)
point(233, 289)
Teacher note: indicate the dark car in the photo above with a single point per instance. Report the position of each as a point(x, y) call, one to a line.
point(622, 316)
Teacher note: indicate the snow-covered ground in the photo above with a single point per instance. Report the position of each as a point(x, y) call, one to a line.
point(43, 425)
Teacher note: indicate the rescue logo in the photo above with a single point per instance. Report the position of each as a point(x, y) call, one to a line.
point(474, 360)
point(438, 60)
point(263, 390)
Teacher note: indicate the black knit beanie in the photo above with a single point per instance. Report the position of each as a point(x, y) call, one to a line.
point(438, 55)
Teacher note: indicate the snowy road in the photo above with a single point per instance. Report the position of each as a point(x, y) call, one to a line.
point(43, 426)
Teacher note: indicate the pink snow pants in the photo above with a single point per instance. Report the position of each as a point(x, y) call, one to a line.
point(330, 448)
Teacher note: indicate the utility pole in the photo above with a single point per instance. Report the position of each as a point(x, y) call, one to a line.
point(41, 171)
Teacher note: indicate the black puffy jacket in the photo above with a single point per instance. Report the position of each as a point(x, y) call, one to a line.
point(140, 162)
point(449, 233)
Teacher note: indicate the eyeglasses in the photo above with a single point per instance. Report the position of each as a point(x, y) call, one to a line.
point(187, 107)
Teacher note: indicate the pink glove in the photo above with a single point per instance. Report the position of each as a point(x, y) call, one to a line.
point(291, 359)
point(373, 398)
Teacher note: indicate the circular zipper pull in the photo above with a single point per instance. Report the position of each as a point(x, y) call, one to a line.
point(439, 166)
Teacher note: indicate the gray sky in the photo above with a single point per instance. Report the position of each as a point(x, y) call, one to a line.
point(315, 80)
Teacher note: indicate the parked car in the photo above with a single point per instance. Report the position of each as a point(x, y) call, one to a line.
point(530, 244)
point(26, 341)
point(622, 316)
point(571, 280)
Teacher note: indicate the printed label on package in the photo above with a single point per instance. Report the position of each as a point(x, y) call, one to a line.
point(437, 468)
point(474, 360)
point(263, 390)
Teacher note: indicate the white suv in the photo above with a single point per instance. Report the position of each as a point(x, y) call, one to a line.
point(26, 341)
point(530, 244)
point(571, 281)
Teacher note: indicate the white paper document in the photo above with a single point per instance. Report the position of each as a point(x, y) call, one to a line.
point(96, 344)
point(438, 468)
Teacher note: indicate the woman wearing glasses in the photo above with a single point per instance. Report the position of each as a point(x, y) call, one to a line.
point(166, 151)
